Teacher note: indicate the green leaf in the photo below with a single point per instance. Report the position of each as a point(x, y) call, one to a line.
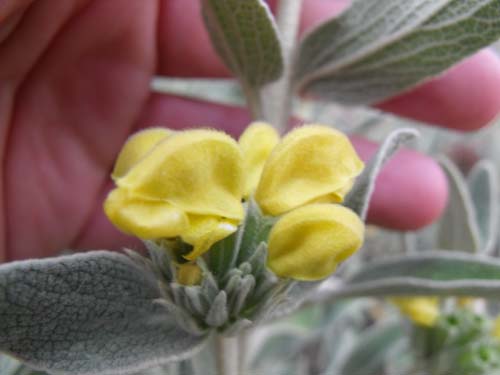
point(458, 228)
point(245, 36)
point(222, 256)
point(90, 313)
point(358, 198)
point(483, 187)
point(429, 273)
point(369, 354)
point(253, 232)
point(220, 91)
point(376, 49)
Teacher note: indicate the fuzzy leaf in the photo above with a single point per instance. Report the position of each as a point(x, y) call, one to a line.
point(429, 273)
point(218, 314)
point(90, 313)
point(458, 228)
point(222, 256)
point(359, 197)
point(369, 354)
point(253, 232)
point(377, 49)
point(245, 36)
point(483, 187)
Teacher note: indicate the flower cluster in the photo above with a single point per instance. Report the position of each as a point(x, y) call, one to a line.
point(192, 184)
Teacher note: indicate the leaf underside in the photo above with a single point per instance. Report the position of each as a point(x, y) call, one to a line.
point(358, 198)
point(89, 313)
point(430, 273)
point(458, 229)
point(377, 49)
point(245, 37)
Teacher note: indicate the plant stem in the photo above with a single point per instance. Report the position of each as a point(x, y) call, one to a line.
point(288, 19)
point(254, 101)
point(227, 356)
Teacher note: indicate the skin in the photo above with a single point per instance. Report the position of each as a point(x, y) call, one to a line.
point(74, 83)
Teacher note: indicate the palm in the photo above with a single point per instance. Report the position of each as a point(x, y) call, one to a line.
point(75, 81)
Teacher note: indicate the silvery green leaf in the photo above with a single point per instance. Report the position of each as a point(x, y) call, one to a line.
point(369, 354)
point(343, 322)
point(277, 342)
point(258, 259)
point(483, 187)
point(458, 228)
point(240, 298)
point(376, 49)
point(222, 256)
point(182, 317)
point(209, 286)
point(253, 232)
point(196, 300)
point(244, 35)
point(161, 260)
point(358, 198)
point(440, 273)
point(218, 314)
point(220, 91)
point(245, 268)
point(232, 284)
point(90, 313)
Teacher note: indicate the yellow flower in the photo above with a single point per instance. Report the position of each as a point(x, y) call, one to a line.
point(312, 164)
point(422, 310)
point(191, 184)
point(496, 328)
point(256, 143)
point(309, 242)
point(186, 184)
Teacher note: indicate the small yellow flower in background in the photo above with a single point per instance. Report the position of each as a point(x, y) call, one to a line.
point(496, 328)
point(186, 184)
point(422, 310)
point(189, 274)
point(309, 242)
point(312, 164)
point(256, 143)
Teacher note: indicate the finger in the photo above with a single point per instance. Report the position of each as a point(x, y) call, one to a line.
point(411, 192)
point(466, 97)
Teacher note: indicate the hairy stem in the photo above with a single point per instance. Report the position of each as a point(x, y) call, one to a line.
point(253, 96)
point(288, 19)
point(227, 356)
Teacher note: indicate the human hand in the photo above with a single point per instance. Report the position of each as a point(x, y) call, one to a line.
point(75, 78)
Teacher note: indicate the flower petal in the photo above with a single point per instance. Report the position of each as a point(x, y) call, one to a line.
point(256, 143)
point(422, 310)
point(144, 219)
point(204, 231)
point(136, 147)
point(197, 171)
point(310, 163)
point(309, 242)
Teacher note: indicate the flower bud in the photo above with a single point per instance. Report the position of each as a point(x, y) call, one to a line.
point(312, 164)
point(309, 242)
